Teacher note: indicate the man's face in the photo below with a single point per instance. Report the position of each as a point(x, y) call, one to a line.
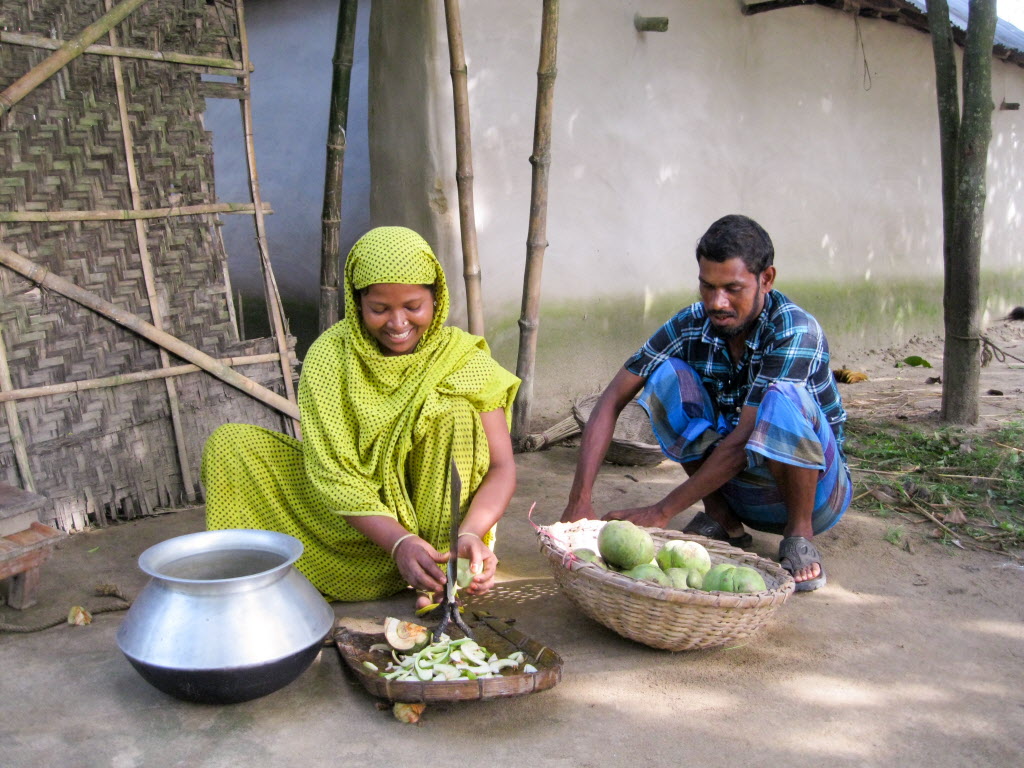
point(732, 295)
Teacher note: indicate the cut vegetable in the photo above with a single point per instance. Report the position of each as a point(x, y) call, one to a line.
point(404, 636)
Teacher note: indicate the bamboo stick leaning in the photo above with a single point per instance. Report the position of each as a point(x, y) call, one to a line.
point(536, 239)
point(148, 278)
point(330, 218)
point(13, 425)
point(135, 377)
point(273, 296)
point(71, 50)
point(224, 66)
point(43, 277)
point(464, 169)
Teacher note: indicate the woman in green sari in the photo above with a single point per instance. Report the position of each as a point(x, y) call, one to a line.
point(387, 397)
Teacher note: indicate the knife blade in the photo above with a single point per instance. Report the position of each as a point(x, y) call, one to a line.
point(453, 556)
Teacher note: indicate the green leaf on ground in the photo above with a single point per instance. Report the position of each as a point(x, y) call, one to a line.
point(917, 361)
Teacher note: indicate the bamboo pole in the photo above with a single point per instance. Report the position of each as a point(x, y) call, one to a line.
point(13, 425)
point(123, 215)
point(71, 50)
point(121, 379)
point(270, 283)
point(464, 168)
point(215, 233)
point(536, 240)
point(330, 218)
point(43, 277)
point(148, 278)
point(224, 66)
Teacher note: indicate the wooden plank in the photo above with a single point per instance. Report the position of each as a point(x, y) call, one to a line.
point(21, 592)
point(14, 500)
point(36, 536)
point(23, 562)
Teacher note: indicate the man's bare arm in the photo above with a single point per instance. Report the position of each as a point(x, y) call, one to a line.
point(597, 436)
point(727, 460)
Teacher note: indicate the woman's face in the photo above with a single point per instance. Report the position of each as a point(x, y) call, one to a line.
point(396, 315)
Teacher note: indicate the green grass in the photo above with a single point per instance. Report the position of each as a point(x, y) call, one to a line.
point(894, 535)
point(945, 471)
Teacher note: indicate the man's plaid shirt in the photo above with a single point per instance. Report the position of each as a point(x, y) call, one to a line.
point(786, 344)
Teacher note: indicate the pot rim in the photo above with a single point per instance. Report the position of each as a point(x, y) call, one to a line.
point(158, 556)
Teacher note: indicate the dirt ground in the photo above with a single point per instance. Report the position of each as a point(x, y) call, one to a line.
point(911, 656)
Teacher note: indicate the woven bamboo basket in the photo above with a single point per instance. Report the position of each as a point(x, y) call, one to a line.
point(633, 442)
point(663, 617)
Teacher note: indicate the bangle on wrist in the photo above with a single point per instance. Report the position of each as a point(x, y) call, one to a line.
point(399, 540)
point(469, 533)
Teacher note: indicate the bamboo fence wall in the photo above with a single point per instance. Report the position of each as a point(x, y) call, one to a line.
point(106, 182)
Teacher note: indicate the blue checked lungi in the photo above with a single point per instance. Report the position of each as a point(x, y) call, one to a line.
point(790, 428)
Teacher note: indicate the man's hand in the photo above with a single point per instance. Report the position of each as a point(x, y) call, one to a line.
point(581, 510)
point(645, 517)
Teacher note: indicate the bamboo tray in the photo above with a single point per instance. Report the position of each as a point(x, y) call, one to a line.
point(496, 635)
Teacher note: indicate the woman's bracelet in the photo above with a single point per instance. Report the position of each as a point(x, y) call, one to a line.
point(469, 533)
point(399, 540)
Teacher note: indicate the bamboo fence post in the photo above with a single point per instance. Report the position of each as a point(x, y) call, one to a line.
point(330, 218)
point(147, 270)
point(224, 66)
point(46, 279)
point(536, 241)
point(71, 50)
point(71, 387)
point(464, 168)
point(270, 283)
point(241, 318)
point(13, 425)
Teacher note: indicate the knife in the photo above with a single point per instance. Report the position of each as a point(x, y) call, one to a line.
point(453, 557)
point(450, 608)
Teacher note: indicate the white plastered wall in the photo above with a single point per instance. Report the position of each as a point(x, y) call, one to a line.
point(821, 126)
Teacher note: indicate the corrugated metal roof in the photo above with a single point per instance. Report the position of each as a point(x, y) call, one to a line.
point(1008, 44)
point(1006, 34)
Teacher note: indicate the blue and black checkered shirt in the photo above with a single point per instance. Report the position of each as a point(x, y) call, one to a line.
point(787, 344)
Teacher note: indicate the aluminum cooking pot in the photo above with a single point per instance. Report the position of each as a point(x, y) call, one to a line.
point(226, 617)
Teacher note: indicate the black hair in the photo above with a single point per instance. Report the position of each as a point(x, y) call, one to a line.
point(735, 236)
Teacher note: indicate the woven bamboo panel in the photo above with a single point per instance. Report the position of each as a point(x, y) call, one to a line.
point(110, 454)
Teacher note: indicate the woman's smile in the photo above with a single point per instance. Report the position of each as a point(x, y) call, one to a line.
point(396, 315)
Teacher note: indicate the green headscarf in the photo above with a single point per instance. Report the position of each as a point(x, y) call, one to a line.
point(363, 411)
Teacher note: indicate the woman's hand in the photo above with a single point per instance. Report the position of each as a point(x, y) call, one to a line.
point(482, 563)
point(418, 563)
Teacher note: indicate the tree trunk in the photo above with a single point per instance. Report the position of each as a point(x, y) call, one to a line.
point(964, 140)
point(330, 217)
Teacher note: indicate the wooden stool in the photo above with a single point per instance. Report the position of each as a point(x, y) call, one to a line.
point(25, 543)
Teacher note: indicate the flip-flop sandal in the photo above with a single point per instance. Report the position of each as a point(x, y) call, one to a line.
point(797, 553)
point(705, 525)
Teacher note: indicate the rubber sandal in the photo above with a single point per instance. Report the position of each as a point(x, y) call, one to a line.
point(705, 525)
point(797, 553)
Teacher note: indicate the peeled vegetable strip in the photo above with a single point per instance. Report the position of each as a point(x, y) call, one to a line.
point(446, 659)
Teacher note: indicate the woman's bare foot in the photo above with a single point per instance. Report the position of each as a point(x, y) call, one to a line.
point(423, 599)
